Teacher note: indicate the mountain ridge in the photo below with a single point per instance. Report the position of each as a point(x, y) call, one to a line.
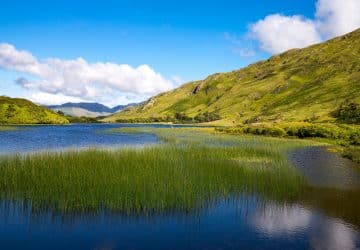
point(87, 109)
point(297, 85)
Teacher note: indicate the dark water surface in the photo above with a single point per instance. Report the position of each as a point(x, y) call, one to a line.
point(326, 217)
point(246, 224)
point(325, 169)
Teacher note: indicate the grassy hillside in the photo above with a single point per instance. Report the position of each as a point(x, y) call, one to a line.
point(21, 111)
point(298, 85)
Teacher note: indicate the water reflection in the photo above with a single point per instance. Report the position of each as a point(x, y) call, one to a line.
point(319, 230)
point(326, 216)
point(333, 234)
point(325, 169)
point(247, 222)
point(276, 220)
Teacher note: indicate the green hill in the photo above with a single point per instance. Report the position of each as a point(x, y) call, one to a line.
point(298, 85)
point(21, 111)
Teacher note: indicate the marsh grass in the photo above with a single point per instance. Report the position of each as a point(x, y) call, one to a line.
point(8, 128)
point(189, 171)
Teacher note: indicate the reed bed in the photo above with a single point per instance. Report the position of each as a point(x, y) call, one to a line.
point(190, 170)
point(7, 128)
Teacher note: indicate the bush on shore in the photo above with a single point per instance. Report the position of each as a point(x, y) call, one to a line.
point(177, 118)
point(255, 130)
point(348, 112)
point(346, 133)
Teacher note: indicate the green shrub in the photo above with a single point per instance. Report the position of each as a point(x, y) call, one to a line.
point(292, 131)
point(355, 139)
point(348, 112)
point(352, 153)
point(82, 119)
point(316, 131)
point(207, 117)
point(182, 117)
point(255, 130)
point(145, 120)
point(276, 131)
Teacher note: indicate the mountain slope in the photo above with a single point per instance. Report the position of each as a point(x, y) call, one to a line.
point(21, 111)
point(300, 84)
point(86, 109)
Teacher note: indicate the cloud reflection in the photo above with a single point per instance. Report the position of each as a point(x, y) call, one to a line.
point(324, 233)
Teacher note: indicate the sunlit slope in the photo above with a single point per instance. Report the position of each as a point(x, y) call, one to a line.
point(301, 84)
point(21, 111)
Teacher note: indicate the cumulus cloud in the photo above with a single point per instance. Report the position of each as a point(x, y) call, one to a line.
point(80, 79)
point(277, 33)
point(337, 17)
point(23, 82)
point(53, 99)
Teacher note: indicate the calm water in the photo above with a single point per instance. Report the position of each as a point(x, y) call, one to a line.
point(39, 138)
point(326, 217)
point(324, 169)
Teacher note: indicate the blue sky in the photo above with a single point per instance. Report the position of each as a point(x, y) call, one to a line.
point(181, 41)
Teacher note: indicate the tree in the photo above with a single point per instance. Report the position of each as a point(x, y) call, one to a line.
point(60, 112)
point(10, 111)
point(348, 112)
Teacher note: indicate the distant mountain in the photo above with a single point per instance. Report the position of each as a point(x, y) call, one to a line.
point(22, 111)
point(93, 107)
point(87, 109)
point(298, 85)
point(119, 108)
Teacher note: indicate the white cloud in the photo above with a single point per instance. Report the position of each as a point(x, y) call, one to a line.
point(52, 99)
point(337, 17)
point(80, 79)
point(277, 33)
point(110, 101)
point(13, 59)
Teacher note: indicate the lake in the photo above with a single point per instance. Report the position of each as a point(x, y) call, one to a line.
point(75, 136)
point(325, 217)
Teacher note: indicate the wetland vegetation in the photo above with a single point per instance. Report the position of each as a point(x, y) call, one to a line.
point(189, 170)
point(8, 128)
point(143, 184)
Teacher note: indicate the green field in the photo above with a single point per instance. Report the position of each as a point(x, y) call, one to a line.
point(189, 170)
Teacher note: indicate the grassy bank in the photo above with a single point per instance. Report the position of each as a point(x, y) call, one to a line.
point(7, 128)
point(188, 171)
point(345, 136)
